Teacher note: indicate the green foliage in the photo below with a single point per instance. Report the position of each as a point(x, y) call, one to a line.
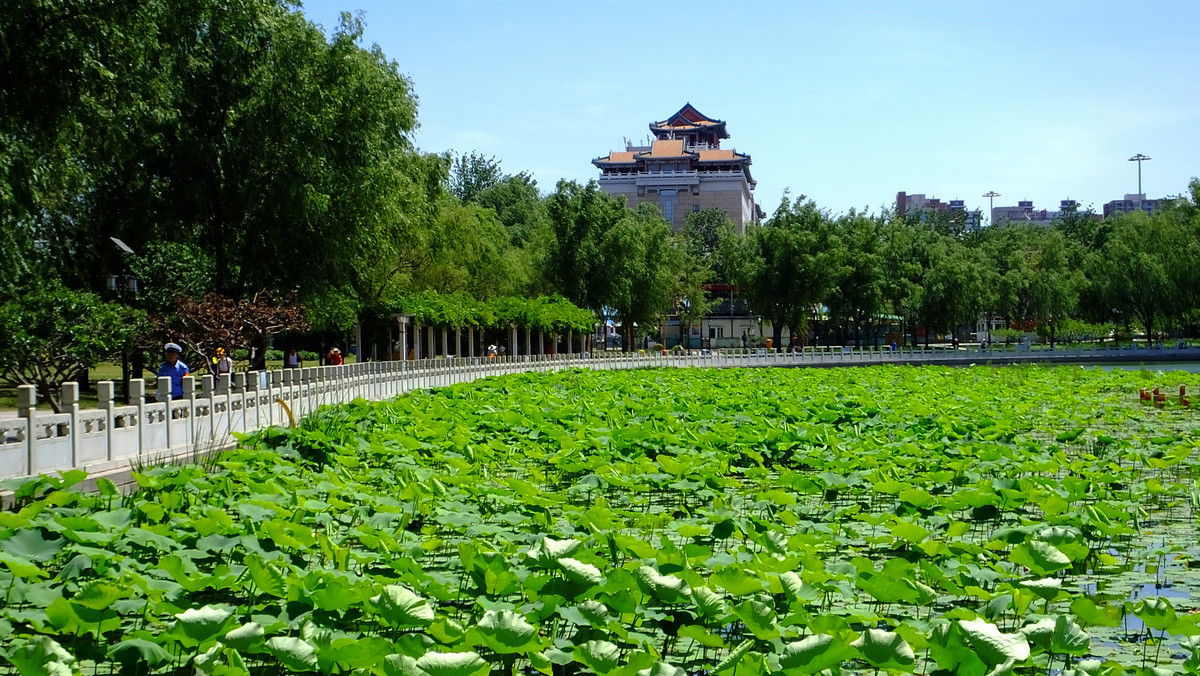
point(641, 268)
point(653, 522)
point(52, 333)
point(544, 313)
point(790, 264)
point(472, 175)
point(579, 217)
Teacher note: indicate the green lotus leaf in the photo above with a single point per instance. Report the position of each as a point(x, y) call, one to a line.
point(42, 656)
point(266, 577)
point(201, 624)
point(1156, 612)
point(581, 573)
point(735, 581)
point(220, 660)
point(29, 544)
point(701, 635)
point(22, 568)
point(453, 664)
point(710, 603)
point(668, 588)
point(400, 607)
point(885, 650)
point(293, 653)
point(599, 656)
point(1091, 615)
point(245, 636)
point(992, 645)
point(505, 631)
point(98, 595)
point(138, 655)
point(814, 654)
point(547, 551)
point(662, 669)
point(1068, 638)
point(1040, 557)
point(759, 618)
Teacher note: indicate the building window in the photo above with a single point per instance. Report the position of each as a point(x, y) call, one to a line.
point(668, 206)
point(716, 332)
point(695, 208)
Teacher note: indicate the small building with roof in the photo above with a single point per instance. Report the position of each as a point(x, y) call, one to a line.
point(683, 170)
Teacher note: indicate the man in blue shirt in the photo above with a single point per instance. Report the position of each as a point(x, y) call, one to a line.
point(174, 369)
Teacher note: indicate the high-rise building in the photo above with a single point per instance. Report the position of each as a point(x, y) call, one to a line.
point(684, 169)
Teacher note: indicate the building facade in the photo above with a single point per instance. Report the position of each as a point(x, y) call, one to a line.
point(1025, 213)
point(1130, 203)
point(683, 170)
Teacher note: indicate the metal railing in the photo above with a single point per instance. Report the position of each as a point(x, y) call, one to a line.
point(114, 436)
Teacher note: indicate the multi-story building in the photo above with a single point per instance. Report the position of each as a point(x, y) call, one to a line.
point(1130, 203)
point(683, 170)
point(906, 203)
point(1025, 213)
point(919, 203)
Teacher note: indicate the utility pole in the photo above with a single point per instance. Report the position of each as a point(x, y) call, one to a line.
point(991, 195)
point(1139, 158)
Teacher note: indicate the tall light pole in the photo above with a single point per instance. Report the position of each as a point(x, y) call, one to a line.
point(1139, 158)
point(991, 195)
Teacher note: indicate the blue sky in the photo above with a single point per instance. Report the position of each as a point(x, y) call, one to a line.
point(846, 102)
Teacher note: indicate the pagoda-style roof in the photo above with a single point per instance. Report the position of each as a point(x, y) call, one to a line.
point(668, 149)
point(688, 118)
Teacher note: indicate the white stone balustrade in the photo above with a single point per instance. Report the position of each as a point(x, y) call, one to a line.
point(115, 437)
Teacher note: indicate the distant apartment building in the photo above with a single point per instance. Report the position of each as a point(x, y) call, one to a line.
point(906, 203)
point(1025, 213)
point(1130, 203)
point(683, 170)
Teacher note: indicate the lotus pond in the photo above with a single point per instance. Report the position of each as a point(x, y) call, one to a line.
point(647, 523)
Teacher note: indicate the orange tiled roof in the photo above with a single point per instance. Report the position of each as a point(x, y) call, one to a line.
point(619, 158)
point(666, 148)
point(718, 155)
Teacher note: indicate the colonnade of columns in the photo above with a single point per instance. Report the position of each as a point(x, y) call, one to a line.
point(421, 349)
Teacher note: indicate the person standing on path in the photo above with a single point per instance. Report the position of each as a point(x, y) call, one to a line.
point(334, 358)
point(224, 363)
point(291, 360)
point(174, 369)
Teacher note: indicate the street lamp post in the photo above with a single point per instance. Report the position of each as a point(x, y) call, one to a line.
point(1139, 158)
point(991, 195)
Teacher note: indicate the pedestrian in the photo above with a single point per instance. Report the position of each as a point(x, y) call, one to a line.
point(745, 340)
point(291, 360)
point(955, 342)
point(491, 351)
point(174, 369)
point(334, 358)
point(224, 363)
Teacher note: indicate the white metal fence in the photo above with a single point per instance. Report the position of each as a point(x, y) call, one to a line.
point(115, 436)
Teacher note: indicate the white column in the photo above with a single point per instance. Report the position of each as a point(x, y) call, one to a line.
point(403, 322)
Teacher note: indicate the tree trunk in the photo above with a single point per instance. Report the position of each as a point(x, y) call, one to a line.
point(776, 333)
